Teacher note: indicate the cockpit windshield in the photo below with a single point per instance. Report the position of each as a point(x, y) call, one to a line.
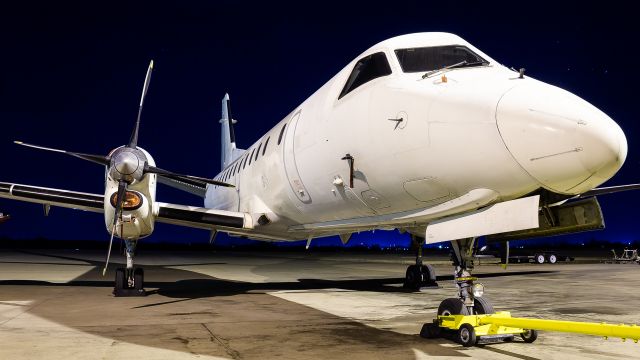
point(437, 57)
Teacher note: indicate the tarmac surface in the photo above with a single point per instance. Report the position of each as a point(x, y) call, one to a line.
point(223, 305)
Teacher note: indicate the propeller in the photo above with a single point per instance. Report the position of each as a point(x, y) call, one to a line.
point(128, 164)
point(122, 188)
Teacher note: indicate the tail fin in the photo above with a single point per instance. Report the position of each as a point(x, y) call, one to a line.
point(228, 141)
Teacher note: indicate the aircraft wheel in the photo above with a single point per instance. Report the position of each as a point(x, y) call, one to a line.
point(529, 336)
point(428, 275)
point(539, 259)
point(413, 278)
point(452, 306)
point(138, 279)
point(482, 306)
point(120, 280)
point(553, 259)
point(466, 335)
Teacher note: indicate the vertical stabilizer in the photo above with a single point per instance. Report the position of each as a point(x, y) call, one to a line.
point(228, 139)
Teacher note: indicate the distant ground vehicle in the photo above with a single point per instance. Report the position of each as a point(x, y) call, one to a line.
point(4, 218)
point(627, 256)
point(541, 258)
point(526, 256)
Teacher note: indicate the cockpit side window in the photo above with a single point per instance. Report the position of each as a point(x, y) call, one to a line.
point(437, 57)
point(366, 69)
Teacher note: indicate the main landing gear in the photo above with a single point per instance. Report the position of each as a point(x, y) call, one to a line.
point(419, 275)
point(129, 280)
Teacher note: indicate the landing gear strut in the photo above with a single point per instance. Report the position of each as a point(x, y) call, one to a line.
point(419, 275)
point(469, 300)
point(129, 280)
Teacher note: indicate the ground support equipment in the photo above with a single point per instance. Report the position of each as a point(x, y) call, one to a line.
point(470, 330)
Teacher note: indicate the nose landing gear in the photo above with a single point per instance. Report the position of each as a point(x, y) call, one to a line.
point(129, 280)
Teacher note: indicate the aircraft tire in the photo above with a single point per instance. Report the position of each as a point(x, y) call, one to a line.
point(452, 306)
point(138, 278)
point(482, 305)
point(413, 278)
point(428, 275)
point(120, 279)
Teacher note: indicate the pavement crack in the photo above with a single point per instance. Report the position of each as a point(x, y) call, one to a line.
point(224, 343)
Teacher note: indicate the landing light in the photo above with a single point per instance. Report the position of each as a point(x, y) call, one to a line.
point(478, 290)
point(132, 200)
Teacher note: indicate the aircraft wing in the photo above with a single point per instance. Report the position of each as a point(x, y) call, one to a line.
point(175, 214)
point(54, 197)
point(610, 190)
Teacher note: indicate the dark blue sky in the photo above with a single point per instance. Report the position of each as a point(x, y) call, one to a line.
point(70, 77)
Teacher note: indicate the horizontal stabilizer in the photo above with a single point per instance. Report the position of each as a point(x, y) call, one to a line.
point(502, 217)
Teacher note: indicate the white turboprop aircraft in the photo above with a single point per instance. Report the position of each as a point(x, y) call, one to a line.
point(422, 133)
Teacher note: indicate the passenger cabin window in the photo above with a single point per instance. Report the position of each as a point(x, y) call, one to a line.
point(281, 133)
point(258, 152)
point(437, 57)
point(366, 69)
point(251, 156)
point(244, 164)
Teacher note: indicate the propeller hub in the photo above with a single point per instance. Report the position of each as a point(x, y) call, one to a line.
point(127, 164)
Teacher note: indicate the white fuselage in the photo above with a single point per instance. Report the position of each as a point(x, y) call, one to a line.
point(462, 130)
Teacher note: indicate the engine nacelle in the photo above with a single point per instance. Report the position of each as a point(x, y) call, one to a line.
point(137, 219)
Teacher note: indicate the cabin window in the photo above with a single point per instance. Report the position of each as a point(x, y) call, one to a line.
point(366, 69)
point(258, 152)
point(264, 150)
point(251, 156)
point(244, 164)
point(281, 133)
point(437, 57)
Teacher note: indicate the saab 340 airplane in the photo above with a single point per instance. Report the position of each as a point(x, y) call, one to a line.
point(423, 133)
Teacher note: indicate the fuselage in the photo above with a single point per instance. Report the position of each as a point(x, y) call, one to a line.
point(417, 142)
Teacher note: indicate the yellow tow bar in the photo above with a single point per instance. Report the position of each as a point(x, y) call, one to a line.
point(469, 329)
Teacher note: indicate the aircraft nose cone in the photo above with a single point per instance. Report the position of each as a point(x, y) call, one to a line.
point(562, 141)
point(126, 163)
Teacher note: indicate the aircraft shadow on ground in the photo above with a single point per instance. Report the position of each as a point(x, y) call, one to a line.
point(192, 285)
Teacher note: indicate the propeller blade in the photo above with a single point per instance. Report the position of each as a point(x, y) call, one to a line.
point(98, 159)
point(122, 188)
point(106, 262)
point(195, 180)
point(134, 136)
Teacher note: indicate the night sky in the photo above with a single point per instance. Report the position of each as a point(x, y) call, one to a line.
point(71, 76)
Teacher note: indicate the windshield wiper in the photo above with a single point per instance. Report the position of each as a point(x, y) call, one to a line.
point(463, 63)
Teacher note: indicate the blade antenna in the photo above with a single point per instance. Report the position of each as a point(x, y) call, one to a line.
point(134, 136)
